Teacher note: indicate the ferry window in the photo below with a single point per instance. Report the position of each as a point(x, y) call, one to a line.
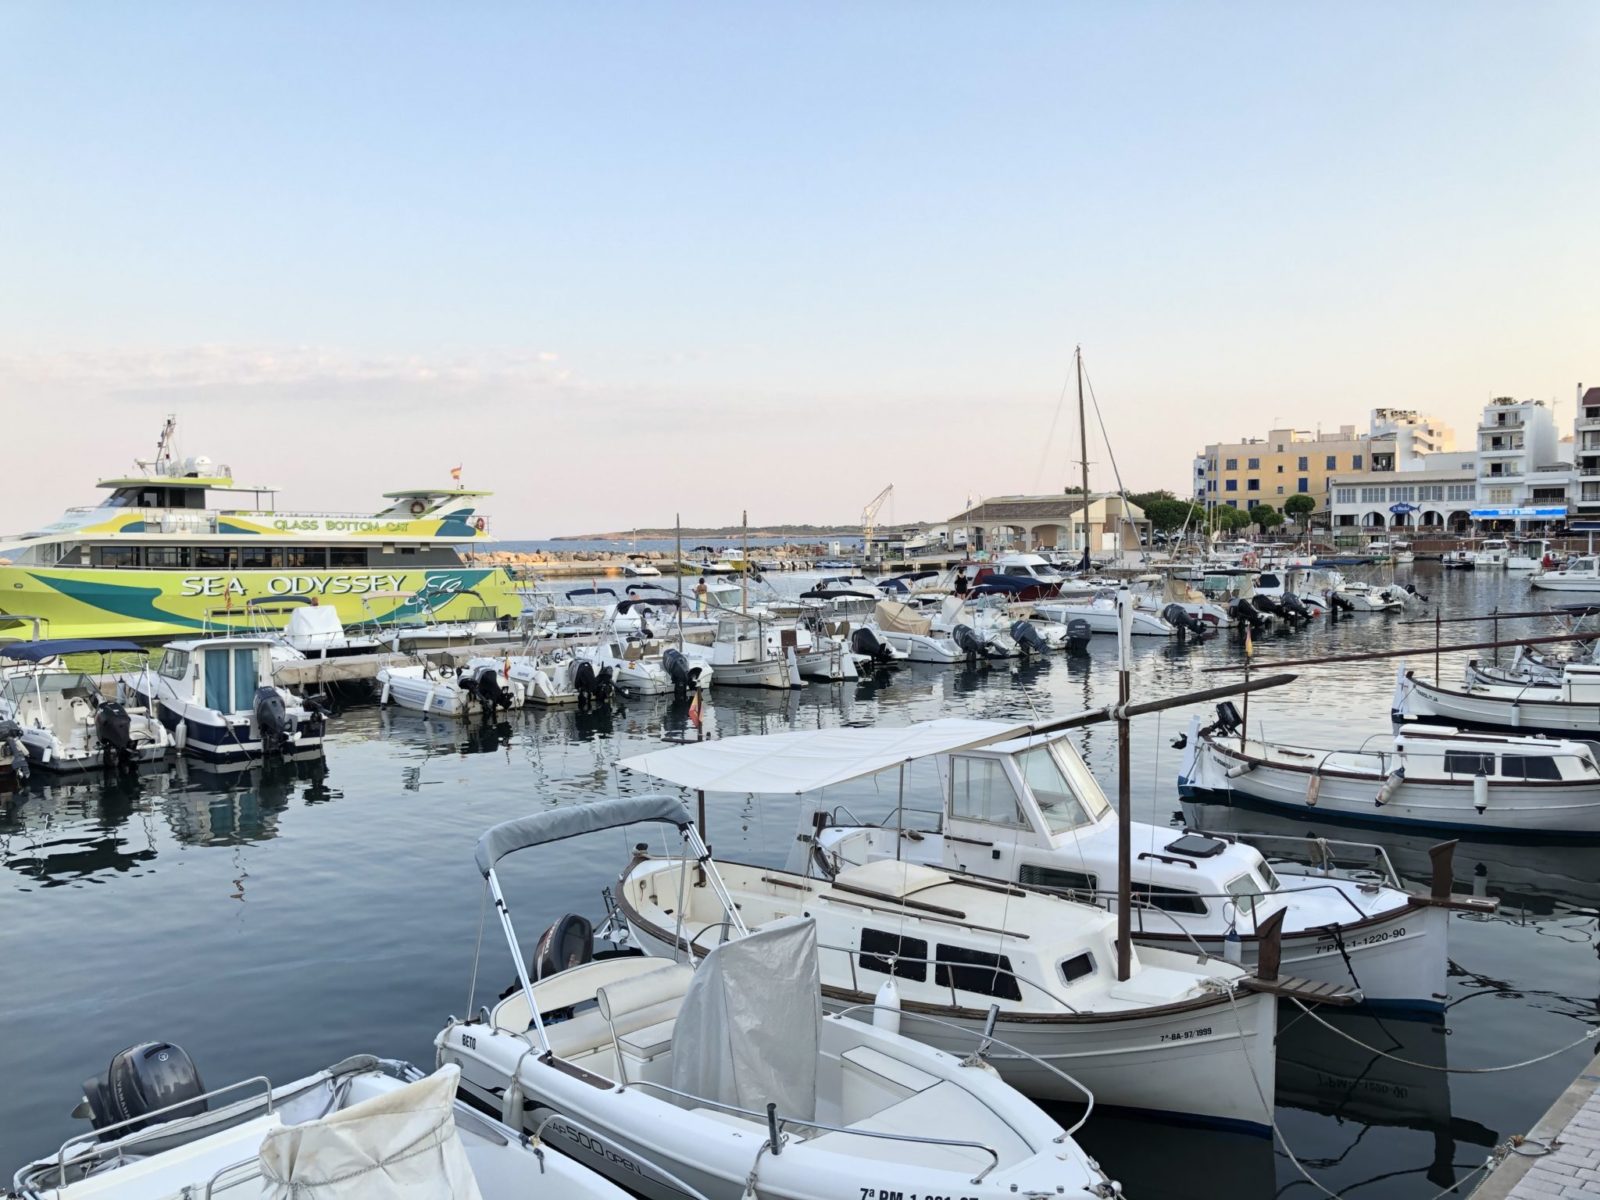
point(116, 556)
point(894, 955)
point(1529, 766)
point(214, 556)
point(1079, 882)
point(983, 793)
point(313, 556)
point(1173, 900)
point(977, 971)
point(174, 664)
point(1077, 967)
point(347, 556)
point(1245, 890)
point(260, 558)
point(1460, 762)
point(166, 556)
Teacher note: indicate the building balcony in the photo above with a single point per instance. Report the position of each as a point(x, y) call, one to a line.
point(1508, 421)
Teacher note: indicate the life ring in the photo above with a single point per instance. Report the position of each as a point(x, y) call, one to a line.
point(1250, 559)
point(418, 508)
point(480, 525)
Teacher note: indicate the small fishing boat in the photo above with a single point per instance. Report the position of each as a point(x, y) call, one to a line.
point(157, 1133)
point(726, 1075)
point(639, 567)
point(217, 697)
point(1530, 554)
point(1561, 708)
point(1428, 776)
point(1397, 552)
point(743, 656)
point(59, 719)
point(1457, 560)
point(1369, 597)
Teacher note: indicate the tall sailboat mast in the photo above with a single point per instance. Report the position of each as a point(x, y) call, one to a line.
point(1083, 442)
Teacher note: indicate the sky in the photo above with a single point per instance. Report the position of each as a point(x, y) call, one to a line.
point(627, 260)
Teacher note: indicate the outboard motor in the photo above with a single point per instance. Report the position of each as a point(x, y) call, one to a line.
point(142, 1079)
point(583, 682)
point(1078, 634)
point(1228, 722)
point(864, 641)
point(604, 684)
point(1267, 604)
point(567, 943)
point(1411, 590)
point(1244, 613)
point(676, 664)
point(1294, 608)
point(1338, 604)
point(272, 720)
point(1028, 639)
point(484, 685)
point(114, 731)
point(1185, 622)
point(11, 735)
point(967, 638)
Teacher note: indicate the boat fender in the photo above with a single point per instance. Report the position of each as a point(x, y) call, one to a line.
point(1313, 787)
point(1480, 791)
point(1239, 769)
point(886, 1007)
point(180, 736)
point(1232, 946)
point(418, 508)
point(1516, 714)
point(1386, 793)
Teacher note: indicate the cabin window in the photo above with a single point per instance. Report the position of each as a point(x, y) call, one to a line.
point(1058, 798)
point(260, 558)
point(166, 556)
point(1529, 766)
point(1245, 890)
point(1076, 967)
point(305, 556)
point(219, 558)
point(230, 690)
point(982, 792)
point(891, 954)
point(1462, 762)
point(977, 971)
point(1080, 883)
point(174, 664)
point(347, 556)
point(1167, 899)
point(116, 556)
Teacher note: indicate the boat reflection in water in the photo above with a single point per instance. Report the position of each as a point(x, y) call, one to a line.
point(241, 804)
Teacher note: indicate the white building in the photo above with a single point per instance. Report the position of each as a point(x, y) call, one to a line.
point(1435, 493)
point(1584, 497)
point(1415, 435)
point(1521, 480)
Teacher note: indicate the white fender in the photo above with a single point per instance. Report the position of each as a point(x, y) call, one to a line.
point(886, 1010)
point(1313, 788)
point(1480, 791)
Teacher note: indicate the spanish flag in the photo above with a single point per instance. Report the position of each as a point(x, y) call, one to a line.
point(455, 474)
point(694, 710)
point(1249, 649)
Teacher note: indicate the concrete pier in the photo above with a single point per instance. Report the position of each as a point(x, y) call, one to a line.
point(1560, 1157)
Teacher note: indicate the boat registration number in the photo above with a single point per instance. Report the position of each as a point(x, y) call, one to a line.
point(1376, 938)
point(895, 1194)
point(1185, 1035)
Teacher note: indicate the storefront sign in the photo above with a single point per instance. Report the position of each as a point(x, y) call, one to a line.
point(1527, 512)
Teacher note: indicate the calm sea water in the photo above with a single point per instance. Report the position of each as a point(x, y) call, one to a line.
point(276, 920)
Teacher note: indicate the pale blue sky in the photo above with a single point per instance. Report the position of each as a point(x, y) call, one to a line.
point(628, 258)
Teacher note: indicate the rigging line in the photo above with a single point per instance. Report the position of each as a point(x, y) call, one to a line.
point(1049, 437)
point(1527, 1062)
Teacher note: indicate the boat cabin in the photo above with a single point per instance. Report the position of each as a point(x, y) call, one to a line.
point(222, 674)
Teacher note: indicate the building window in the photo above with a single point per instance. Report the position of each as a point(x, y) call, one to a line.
point(1231, 485)
point(1211, 485)
point(1344, 495)
point(1280, 489)
point(1233, 464)
point(1305, 464)
point(1333, 462)
point(1302, 486)
point(1252, 485)
point(1280, 468)
point(1233, 504)
point(1355, 462)
point(1253, 464)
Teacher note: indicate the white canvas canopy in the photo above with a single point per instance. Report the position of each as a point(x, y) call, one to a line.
point(747, 1031)
point(400, 1144)
point(894, 617)
point(807, 759)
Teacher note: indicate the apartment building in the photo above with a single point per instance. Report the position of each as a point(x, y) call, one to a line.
point(1287, 462)
point(1521, 477)
point(1584, 499)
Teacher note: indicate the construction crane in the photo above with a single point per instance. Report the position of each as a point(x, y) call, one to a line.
point(869, 520)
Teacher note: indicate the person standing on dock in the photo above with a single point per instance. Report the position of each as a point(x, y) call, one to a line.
point(700, 595)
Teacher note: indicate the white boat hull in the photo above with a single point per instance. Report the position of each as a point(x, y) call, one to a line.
point(1102, 619)
point(917, 648)
point(1527, 710)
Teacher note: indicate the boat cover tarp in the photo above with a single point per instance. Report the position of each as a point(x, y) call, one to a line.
point(894, 617)
point(1181, 591)
point(746, 1034)
point(400, 1144)
point(807, 759)
point(573, 820)
point(53, 647)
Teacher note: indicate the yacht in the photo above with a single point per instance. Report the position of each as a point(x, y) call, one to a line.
point(1529, 554)
point(179, 538)
point(1580, 574)
point(1492, 554)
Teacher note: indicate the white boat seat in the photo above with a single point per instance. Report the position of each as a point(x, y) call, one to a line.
point(902, 1074)
point(915, 1116)
point(648, 1042)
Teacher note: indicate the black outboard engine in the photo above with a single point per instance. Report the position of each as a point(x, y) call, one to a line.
point(272, 720)
point(583, 682)
point(1338, 604)
point(1078, 634)
point(1267, 604)
point(967, 638)
point(1185, 622)
point(484, 685)
point(11, 735)
point(567, 943)
point(141, 1080)
point(1411, 590)
point(676, 664)
point(1243, 613)
point(1295, 609)
point(1228, 722)
point(864, 641)
point(1028, 639)
point(604, 684)
point(114, 731)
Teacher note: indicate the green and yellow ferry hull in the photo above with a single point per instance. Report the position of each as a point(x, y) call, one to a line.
point(133, 602)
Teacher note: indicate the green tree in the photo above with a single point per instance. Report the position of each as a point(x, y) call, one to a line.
point(1265, 516)
point(1231, 520)
point(1298, 507)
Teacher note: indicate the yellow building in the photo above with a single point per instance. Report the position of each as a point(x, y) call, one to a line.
point(1285, 463)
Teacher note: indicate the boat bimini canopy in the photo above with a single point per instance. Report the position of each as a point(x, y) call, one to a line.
point(54, 647)
point(574, 820)
point(809, 759)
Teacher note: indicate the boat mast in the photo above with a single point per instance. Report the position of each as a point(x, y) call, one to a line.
point(677, 526)
point(1125, 788)
point(1083, 443)
point(744, 574)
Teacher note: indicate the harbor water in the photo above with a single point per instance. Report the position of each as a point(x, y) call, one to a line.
point(279, 918)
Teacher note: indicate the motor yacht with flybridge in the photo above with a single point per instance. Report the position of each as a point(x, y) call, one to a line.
point(159, 555)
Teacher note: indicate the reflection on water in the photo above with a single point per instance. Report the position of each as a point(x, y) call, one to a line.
point(278, 918)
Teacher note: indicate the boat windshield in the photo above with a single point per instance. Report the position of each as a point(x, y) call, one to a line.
point(1067, 794)
point(70, 685)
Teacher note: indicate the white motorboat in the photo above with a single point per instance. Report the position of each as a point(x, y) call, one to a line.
point(61, 720)
point(1578, 575)
point(365, 1127)
point(415, 622)
point(315, 630)
point(743, 656)
point(1182, 1035)
point(1459, 559)
point(1491, 554)
point(727, 1076)
point(1397, 552)
point(1566, 707)
point(1428, 776)
point(909, 632)
point(1529, 554)
point(436, 690)
point(1099, 614)
point(1368, 597)
point(1025, 809)
point(1529, 664)
point(638, 567)
point(217, 697)
point(647, 667)
point(980, 627)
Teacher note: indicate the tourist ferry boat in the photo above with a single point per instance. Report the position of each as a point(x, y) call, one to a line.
point(159, 555)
